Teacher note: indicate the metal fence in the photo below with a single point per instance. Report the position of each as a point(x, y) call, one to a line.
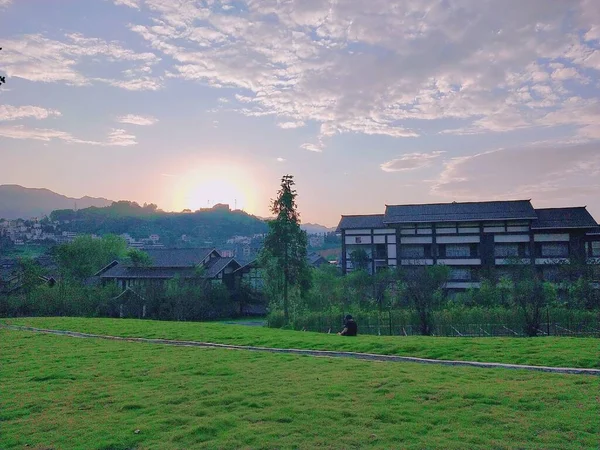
point(581, 329)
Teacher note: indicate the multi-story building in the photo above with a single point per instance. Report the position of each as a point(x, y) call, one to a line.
point(472, 237)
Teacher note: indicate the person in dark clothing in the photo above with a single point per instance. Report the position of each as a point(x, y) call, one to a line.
point(350, 327)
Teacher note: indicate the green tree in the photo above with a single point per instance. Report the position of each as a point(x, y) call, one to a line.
point(85, 256)
point(284, 253)
point(360, 259)
point(423, 287)
point(529, 296)
point(139, 258)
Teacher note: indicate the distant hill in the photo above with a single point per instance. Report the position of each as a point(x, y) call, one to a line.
point(18, 202)
point(315, 228)
point(205, 227)
point(310, 228)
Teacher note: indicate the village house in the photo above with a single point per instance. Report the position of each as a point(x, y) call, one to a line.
point(471, 237)
point(167, 264)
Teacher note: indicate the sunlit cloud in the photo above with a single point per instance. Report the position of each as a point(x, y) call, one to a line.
point(116, 137)
point(8, 112)
point(410, 161)
point(137, 120)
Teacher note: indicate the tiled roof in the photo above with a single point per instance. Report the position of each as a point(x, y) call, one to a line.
point(459, 212)
point(365, 221)
point(218, 265)
point(315, 259)
point(577, 217)
point(178, 257)
point(120, 271)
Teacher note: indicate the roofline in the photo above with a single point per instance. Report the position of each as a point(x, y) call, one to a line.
point(462, 220)
point(561, 207)
point(363, 215)
point(110, 265)
point(461, 203)
point(561, 227)
point(245, 265)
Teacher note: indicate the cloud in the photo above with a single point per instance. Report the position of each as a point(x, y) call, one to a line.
point(311, 147)
point(129, 3)
point(8, 112)
point(36, 58)
point(364, 67)
point(116, 137)
point(120, 138)
point(280, 160)
point(410, 161)
point(137, 120)
point(290, 125)
point(545, 172)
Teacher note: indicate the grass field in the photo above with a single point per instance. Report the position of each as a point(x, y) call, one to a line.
point(65, 393)
point(547, 351)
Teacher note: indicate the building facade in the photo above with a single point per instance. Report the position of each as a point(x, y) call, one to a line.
point(471, 238)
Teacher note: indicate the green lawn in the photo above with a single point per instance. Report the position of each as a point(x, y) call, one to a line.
point(548, 351)
point(65, 393)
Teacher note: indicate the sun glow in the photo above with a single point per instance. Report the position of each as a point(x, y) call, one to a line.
point(212, 183)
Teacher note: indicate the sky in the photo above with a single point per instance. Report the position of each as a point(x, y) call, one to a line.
point(187, 103)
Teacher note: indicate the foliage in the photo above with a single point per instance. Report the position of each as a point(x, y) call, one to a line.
point(283, 257)
point(140, 221)
point(423, 286)
point(360, 259)
point(84, 256)
point(138, 258)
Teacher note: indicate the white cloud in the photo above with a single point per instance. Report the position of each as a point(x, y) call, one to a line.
point(363, 66)
point(116, 137)
point(8, 112)
point(129, 3)
point(280, 160)
point(290, 125)
point(410, 161)
point(137, 120)
point(120, 138)
point(5, 3)
point(312, 147)
point(36, 58)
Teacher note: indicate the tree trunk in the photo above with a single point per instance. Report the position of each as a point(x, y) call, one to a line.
point(286, 312)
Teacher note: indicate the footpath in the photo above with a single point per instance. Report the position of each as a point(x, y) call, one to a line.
point(318, 353)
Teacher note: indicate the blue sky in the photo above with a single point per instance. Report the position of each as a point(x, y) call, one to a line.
point(366, 102)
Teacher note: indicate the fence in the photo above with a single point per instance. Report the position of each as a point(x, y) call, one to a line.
point(406, 325)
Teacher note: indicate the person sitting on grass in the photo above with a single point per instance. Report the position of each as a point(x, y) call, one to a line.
point(350, 327)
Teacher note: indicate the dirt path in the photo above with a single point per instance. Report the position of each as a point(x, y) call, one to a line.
point(319, 353)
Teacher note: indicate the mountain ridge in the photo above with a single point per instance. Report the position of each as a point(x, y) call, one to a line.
point(19, 202)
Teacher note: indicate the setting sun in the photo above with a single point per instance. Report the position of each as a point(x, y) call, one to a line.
point(214, 183)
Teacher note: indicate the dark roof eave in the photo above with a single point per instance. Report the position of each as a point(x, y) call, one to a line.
point(563, 227)
point(459, 220)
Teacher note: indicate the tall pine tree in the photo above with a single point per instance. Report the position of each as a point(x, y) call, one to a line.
point(283, 257)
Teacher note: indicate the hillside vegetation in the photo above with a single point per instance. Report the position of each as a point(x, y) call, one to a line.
point(213, 225)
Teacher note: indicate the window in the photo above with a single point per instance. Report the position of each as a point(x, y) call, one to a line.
point(506, 250)
point(412, 251)
point(460, 274)
point(380, 251)
point(595, 245)
point(458, 251)
point(555, 250)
